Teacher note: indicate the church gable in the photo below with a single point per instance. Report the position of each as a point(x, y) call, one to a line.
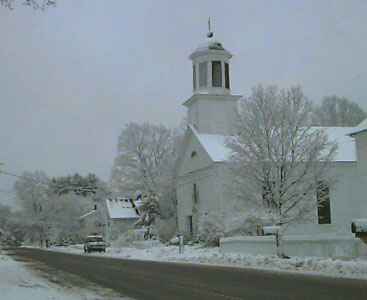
point(193, 156)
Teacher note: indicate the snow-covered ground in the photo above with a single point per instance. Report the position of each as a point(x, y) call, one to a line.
point(353, 268)
point(19, 282)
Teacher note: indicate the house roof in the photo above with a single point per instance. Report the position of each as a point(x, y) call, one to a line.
point(361, 127)
point(214, 144)
point(121, 208)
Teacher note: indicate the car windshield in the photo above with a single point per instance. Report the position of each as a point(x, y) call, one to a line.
point(95, 239)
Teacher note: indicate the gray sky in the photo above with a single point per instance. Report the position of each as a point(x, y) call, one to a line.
point(71, 77)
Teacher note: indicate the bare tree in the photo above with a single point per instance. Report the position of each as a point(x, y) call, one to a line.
point(144, 166)
point(278, 161)
point(336, 111)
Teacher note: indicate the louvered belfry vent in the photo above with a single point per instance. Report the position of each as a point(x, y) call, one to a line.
point(216, 74)
point(203, 74)
point(194, 76)
point(226, 66)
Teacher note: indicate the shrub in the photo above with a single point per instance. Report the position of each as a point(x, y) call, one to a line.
point(164, 229)
point(211, 227)
point(215, 225)
point(249, 223)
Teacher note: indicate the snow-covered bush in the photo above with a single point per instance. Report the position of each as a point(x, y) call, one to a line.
point(214, 225)
point(127, 236)
point(211, 227)
point(164, 229)
point(249, 223)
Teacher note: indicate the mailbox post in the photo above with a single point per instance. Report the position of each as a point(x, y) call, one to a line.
point(181, 244)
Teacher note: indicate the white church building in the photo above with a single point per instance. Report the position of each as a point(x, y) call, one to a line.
point(211, 113)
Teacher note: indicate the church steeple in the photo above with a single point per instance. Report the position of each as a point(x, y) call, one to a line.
point(211, 67)
point(212, 109)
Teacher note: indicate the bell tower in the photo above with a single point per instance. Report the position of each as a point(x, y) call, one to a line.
point(212, 109)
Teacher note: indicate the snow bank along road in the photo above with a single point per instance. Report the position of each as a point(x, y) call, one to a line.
point(161, 280)
point(26, 279)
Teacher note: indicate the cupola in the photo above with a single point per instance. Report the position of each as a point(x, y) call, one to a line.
point(210, 63)
point(212, 109)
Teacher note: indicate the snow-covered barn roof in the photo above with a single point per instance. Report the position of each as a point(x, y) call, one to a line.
point(121, 208)
point(214, 144)
point(361, 127)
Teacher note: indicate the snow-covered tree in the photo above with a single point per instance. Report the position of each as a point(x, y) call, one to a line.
point(144, 164)
point(278, 161)
point(336, 111)
point(35, 4)
point(4, 216)
point(87, 186)
point(32, 194)
point(51, 211)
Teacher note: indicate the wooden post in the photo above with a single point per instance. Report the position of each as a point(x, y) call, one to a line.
point(181, 246)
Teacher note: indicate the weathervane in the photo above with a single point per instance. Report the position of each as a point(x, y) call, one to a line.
point(210, 33)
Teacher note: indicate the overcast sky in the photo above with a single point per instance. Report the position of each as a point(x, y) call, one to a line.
point(72, 76)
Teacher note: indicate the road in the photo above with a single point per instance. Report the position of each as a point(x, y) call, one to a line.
point(174, 281)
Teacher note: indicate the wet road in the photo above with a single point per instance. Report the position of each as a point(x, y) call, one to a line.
point(158, 280)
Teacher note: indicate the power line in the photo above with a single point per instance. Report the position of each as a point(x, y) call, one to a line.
point(7, 192)
point(23, 177)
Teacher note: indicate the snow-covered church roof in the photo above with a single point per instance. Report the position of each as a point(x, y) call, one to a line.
point(346, 145)
point(214, 144)
point(121, 208)
point(361, 127)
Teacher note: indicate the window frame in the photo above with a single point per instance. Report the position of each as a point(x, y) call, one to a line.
point(323, 204)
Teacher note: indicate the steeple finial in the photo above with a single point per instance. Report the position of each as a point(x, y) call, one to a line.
point(210, 33)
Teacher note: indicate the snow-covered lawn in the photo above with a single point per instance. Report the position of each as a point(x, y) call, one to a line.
point(354, 268)
point(19, 282)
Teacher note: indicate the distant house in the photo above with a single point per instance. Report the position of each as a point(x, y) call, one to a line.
point(93, 221)
point(122, 214)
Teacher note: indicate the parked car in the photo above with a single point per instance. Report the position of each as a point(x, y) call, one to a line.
point(94, 243)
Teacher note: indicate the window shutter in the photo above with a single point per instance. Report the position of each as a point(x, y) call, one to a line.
point(226, 74)
point(216, 73)
point(203, 74)
point(194, 76)
point(195, 192)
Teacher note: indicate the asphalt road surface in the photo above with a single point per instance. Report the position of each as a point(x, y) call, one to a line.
point(174, 281)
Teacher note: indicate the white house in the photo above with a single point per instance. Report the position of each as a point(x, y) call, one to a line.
point(211, 112)
point(122, 214)
point(94, 221)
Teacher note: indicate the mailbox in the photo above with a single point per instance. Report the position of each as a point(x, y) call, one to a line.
point(359, 227)
point(271, 230)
